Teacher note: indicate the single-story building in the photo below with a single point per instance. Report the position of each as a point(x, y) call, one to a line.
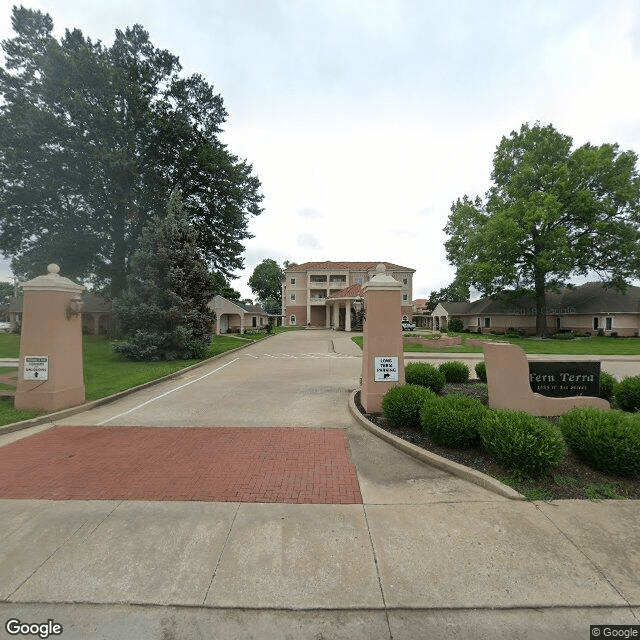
point(586, 309)
point(96, 314)
point(233, 317)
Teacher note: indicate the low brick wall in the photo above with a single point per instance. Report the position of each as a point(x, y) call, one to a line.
point(437, 343)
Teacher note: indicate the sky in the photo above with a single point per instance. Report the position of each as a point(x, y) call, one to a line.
point(366, 119)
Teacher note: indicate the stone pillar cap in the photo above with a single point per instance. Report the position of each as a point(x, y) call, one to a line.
point(53, 281)
point(381, 280)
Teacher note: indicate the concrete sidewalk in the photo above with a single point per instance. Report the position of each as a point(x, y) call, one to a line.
point(426, 554)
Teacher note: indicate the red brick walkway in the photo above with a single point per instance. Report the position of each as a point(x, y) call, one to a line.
point(190, 463)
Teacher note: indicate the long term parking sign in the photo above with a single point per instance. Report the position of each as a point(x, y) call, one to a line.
point(386, 369)
point(36, 367)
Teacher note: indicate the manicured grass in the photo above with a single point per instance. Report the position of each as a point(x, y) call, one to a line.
point(596, 346)
point(106, 372)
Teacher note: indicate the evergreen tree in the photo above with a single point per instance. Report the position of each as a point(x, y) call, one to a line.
point(164, 309)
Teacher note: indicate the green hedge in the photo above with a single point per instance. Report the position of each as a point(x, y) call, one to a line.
point(402, 405)
point(453, 420)
point(607, 386)
point(481, 371)
point(527, 445)
point(454, 371)
point(627, 394)
point(606, 440)
point(425, 375)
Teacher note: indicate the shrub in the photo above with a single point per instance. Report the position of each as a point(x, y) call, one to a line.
point(565, 335)
point(453, 420)
point(425, 375)
point(607, 385)
point(527, 445)
point(627, 394)
point(481, 371)
point(401, 405)
point(454, 371)
point(455, 324)
point(606, 440)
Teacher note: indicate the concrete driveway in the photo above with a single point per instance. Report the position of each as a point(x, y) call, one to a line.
point(424, 555)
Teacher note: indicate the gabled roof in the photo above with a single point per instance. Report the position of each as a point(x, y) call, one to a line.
point(354, 291)
point(352, 266)
point(588, 298)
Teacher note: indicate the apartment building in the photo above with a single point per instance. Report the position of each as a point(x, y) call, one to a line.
point(322, 294)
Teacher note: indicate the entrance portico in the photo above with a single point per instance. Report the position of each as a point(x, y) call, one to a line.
point(341, 309)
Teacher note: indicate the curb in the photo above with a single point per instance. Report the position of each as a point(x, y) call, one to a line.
point(459, 470)
point(65, 413)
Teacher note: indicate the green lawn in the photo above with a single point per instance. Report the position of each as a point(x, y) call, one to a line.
point(106, 372)
point(596, 346)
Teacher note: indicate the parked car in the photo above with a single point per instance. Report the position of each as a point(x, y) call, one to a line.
point(408, 326)
point(5, 327)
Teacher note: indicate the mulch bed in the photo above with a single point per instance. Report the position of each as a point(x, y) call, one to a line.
point(571, 479)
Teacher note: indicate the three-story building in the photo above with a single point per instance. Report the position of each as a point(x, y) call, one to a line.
point(322, 294)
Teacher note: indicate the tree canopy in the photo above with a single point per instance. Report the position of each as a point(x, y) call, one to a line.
point(266, 284)
point(163, 310)
point(94, 138)
point(551, 213)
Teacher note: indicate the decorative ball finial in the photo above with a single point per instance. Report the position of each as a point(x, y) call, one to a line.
point(53, 269)
point(381, 268)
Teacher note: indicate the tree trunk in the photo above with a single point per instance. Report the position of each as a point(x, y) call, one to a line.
point(541, 311)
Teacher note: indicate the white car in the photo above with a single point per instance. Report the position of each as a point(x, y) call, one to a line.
point(5, 327)
point(408, 326)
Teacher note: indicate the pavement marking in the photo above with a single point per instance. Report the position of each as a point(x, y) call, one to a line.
point(162, 395)
point(300, 356)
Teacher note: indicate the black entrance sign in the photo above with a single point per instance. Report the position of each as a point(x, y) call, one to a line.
point(562, 379)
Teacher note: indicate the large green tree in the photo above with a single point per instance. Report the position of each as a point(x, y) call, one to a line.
point(163, 311)
point(266, 284)
point(553, 212)
point(94, 138)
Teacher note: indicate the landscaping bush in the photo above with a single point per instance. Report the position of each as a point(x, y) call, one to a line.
point(565, 335)
point(607, 385)
point(627, 394)
point(527, 445)
point(454, 371)
point(481, 371)
point(606, 440)
point(402, 405)
point(425, 375)
point(455, 324)
point(453, 420)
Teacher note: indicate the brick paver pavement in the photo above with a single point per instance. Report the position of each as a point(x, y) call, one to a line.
point(295, 465)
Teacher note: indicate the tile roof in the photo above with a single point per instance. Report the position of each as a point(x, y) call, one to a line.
point(353, 266)
point(354, 291)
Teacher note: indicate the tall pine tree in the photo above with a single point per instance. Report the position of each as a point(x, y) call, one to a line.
point(164, 309)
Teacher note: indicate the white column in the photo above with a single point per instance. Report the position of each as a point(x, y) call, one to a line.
point(328, 317)
point(347, 317)
point(336, 315)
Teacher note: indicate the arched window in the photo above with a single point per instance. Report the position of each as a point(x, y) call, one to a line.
point(292, 320)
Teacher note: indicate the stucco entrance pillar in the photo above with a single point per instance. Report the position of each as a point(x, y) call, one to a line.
point(382, 357)
point(50, 369)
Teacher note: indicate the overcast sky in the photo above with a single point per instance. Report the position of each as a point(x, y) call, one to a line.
point(366, 119)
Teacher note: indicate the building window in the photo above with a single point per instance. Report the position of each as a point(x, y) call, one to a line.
point(595, 324)
point(608, 324)
point(359, 280)
point(405, 280)
point(292, 320)
point(293, 297)
point(293, 280)
point(405, 319)
point(405, 297)
point(479, 321)
point(487, 323)
point(557, 324)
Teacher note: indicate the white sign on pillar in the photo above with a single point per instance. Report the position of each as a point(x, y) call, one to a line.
point(386, 369)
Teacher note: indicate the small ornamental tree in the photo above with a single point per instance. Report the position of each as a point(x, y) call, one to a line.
point(163, 311)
